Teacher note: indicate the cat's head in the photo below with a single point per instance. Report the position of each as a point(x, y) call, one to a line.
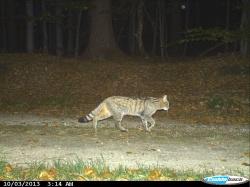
point(164, 104)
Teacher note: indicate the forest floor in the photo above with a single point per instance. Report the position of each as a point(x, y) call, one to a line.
point(211, 90)
point(207, 126)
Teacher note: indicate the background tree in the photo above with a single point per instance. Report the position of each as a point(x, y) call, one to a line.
point(175, 27)
point(59, 31)
point(11, 26)
point(140, 27)
point(44, 16)
point(245, 28)
point(29, 26)
point(70, 29)
point(132, 28)
point(162, 28)
point(3, 27)
point(78, 31)
point(102, 42)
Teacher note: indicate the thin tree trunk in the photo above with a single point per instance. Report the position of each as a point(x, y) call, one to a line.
point(45, 31)
point(4, 32)
point(70, 43)
point(162, 28)
point(175, 27)
point(227, 21)
point(30, 26)
point(78, 27)
point(186, 26)
point(121, 32)
point(140, 16)
point(245, 25)
point(132, 35)
point(155, 31)
point(197, 13)
point(154, 24)
point(11, 26)
point(59, 34)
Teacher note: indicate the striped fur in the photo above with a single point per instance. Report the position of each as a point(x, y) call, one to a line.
point(118, 106)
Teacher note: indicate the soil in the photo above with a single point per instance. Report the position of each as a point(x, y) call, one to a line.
point(25, 138)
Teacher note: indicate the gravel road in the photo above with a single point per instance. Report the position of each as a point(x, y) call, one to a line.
point(225, 149)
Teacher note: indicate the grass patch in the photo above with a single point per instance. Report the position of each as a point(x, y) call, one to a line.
point(235, 70)
point(79, 170)
point(95, 170)
point(217, 102)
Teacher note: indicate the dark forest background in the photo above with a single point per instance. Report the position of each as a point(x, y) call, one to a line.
point(103, 28)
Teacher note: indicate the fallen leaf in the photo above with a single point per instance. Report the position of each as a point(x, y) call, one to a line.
point(53, 172)
point(190, 179)
point(48, 175)
point(44, 175)
point(8, 168)
point(88, 171)
point(81, 178)
point(106, 174)
point(154, 175)
point(164, 178)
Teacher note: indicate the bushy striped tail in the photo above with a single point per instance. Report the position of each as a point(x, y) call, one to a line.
point(87, 118)
point(90, 116)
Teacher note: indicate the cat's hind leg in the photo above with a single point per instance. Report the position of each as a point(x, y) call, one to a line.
point(118, 120)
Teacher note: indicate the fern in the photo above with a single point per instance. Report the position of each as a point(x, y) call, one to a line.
point(215, 35)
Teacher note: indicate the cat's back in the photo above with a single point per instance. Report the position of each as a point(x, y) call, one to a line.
point(119, 99)
point(126, 105)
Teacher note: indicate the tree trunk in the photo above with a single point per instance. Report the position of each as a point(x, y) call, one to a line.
point(162, 29)
point(102, 42)
point(197, 8)
point(175, 27)
point(45, 31)
point(11, 26)
point(29, 26)
point(227, 21)
point(140, 17)
point(78, 27)
point(187, 12)
point(153, 20)
point(132, 30)
point(3, 25)
point(59, 34)
point(155, 31)
point(70, 43)
point(245, 27)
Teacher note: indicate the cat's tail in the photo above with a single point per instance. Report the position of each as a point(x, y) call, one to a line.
point(89, 117)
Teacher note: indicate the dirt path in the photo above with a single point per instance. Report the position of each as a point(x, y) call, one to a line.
point(224, 149)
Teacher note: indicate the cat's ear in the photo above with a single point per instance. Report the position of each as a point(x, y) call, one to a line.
point(165, 98)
